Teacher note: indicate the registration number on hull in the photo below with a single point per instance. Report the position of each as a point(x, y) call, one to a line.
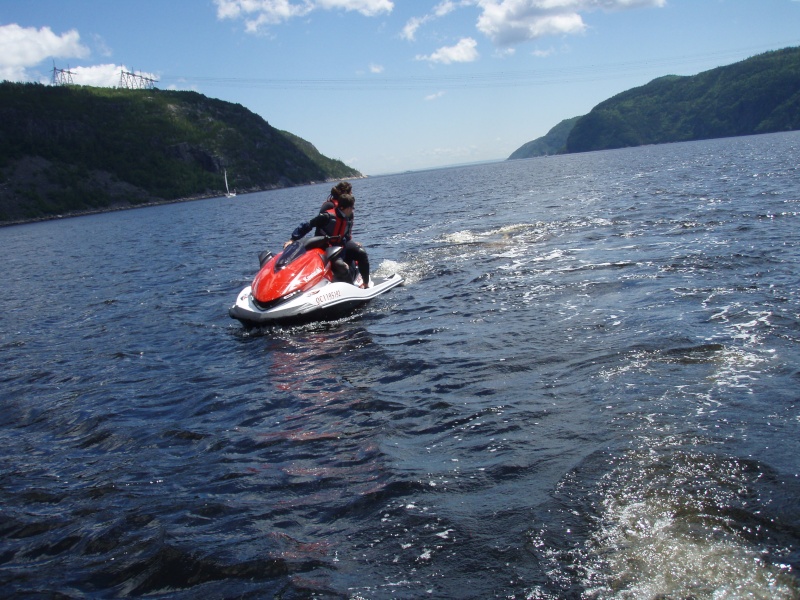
point(328, 297)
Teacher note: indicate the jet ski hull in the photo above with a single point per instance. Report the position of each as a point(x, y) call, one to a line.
point(328, 300)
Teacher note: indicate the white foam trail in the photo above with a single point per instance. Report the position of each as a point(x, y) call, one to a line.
point(662, 533)
point(410, 272)
point(461, 237)
point(653, 550)
point(507, 232)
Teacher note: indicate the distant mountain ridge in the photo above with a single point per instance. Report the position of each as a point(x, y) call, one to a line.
point(554, 142)
point(79, 149)
point(757, 95)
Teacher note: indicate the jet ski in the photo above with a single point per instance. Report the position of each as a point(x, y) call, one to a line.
point(298, 284)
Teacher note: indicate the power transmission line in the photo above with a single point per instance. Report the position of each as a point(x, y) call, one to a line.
point(132, 81)
point(61, 76)
point(500, 79)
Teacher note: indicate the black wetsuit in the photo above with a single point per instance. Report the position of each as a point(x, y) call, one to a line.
point(332, 223)
point(353, 251)
point(336, 226)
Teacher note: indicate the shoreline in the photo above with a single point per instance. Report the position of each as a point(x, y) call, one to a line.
point(97, 211)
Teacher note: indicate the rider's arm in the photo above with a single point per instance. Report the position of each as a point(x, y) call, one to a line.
point(319, 221)
point(301, 230)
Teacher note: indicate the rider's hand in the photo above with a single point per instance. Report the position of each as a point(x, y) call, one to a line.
point(287, 243)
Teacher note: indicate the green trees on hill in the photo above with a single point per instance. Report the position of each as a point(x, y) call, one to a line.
point(555, 142)
point(758, 95)
point(79, 148)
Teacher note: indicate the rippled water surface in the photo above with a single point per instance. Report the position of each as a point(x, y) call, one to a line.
point(586, 388)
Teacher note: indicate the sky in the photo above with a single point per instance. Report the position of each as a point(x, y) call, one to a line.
point(393, 85)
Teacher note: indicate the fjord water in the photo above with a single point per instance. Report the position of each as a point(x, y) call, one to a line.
point(586, 388)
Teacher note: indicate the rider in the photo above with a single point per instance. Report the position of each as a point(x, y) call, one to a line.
point(343, 187)
point(353, 251)
point(334, 223)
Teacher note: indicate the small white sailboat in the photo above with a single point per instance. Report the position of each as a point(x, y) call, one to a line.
point(228, 193)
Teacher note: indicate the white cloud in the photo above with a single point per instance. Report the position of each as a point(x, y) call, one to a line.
point(368, 8)
point(463, 51)
point(257, 13)
point(22, 48)
point(373, 68)
point(511, 22)
point(410, 29)
point(440, 10)
point(103, 75)
point(97, 75)
point(265, 11)
point(508, 22)
point(435, 96)
point(444, 8)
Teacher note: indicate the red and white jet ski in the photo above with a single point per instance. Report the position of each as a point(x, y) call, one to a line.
point(298, 284)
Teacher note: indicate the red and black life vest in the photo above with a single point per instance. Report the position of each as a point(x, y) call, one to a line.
point(337, 228)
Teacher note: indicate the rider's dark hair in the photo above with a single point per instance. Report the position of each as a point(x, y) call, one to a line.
point(346, 201)
point(343, 187)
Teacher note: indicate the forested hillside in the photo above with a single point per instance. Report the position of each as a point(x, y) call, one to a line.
point(757, 95)
point(555, 142)
point(67, 149)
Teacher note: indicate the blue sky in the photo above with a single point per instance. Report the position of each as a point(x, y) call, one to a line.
point(394, 85)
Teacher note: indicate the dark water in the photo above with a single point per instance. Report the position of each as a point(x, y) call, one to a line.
point(587, 388)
